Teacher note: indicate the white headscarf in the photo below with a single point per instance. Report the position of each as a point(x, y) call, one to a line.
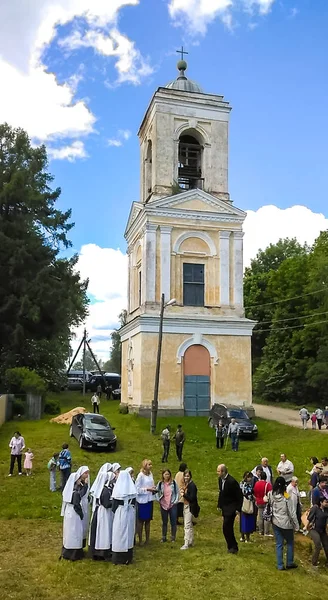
point(102, 480)
point(103, 469)
point(115, 466)
point(129, 470)
point(124, 488)
point(69, 487)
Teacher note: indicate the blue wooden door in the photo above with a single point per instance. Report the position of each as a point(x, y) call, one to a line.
point(196, 395)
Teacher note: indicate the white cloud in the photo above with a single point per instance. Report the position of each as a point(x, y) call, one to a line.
point(269, 223)
point(198, 14)
point(122, 136)
point(31, 97)
point(70, 152)
point(107, 270)
point(130, 64)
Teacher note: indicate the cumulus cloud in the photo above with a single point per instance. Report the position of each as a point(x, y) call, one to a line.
point(269, 223)
point(70, 152)
point(107, 271)
point(123, 135)
point(198, 14)
point(31, 96)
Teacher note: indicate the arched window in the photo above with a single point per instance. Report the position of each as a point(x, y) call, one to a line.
point(148, 169)
point(190, 163)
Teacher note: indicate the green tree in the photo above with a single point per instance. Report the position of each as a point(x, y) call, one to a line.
point(89, 362)
point(113, 365)
point(41, 295)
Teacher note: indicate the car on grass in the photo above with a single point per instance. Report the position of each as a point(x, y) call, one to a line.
point(116, 394)
point(93, 431)
point(74, 383)
point(247, 429)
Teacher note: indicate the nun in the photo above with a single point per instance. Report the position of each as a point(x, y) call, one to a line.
point(116, 468)
point(124, 499)
point(100, 541)
point(105, 468)
point(73, 510)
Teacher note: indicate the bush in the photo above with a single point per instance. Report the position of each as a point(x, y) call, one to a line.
point(123, 409)
point(18, 407)
point(52, 407)
point(22, 379)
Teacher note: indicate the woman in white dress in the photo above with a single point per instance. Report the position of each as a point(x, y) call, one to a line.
point(123, 506)
point(75, 513)
point(100, 541)
point(145, 495)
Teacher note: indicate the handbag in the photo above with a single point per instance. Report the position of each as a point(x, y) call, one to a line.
point(265, 497)
point(247, 506)
point(267, 512)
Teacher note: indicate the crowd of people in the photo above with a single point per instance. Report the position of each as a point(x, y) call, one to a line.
point(317, 417)
point(121, 508)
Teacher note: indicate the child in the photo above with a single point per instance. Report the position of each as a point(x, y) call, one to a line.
point(28, 461)
point(314, 420)
point(52, 466)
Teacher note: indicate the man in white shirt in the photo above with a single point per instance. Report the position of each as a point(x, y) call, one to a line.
point(16, 445)
point(95, 401)
point(285, 468)
point(233, 433)
point(266, 468)
point(304, 414)
point(319, 415)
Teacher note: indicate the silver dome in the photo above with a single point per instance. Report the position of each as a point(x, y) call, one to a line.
point(184, 85)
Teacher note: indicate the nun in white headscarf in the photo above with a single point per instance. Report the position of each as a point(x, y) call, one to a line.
point(116, 468)
point(100, 541)
point(124, 499)
point(105, 468)
point(74, 512)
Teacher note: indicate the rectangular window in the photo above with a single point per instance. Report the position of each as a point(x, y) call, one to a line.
point(139, 287)
point(193, 284)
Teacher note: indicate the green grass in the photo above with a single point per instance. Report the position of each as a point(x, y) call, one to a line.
point(31, 525)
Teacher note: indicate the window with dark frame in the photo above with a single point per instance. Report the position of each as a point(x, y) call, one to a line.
point(139, 287)
point(193, 284)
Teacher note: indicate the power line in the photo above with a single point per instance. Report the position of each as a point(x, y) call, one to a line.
point(325, 289)
point(293, 318)
point(292, 327)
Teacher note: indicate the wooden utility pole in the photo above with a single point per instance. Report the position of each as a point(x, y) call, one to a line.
point(154, 406)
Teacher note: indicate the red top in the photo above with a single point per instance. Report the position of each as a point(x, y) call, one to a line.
point(261, 488)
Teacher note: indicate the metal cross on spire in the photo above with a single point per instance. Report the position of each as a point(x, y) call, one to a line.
point(182, 52)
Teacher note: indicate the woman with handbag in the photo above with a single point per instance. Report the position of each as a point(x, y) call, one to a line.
point(191, 509)
point(260, 491)
point(284, 522)
point(247, 516)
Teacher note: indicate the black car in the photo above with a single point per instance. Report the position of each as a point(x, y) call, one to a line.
point(103, 381)
point(225, 413)
point(93, 431)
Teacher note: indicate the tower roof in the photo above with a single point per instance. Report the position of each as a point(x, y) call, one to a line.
point(182, 83)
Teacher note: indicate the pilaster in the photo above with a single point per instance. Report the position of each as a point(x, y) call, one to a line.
point(166, 261)
point(224, 268)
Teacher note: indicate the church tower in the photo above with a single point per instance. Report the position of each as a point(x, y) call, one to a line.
point(185, 241)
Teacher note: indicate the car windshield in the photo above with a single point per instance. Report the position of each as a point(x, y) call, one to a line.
point(238, 414)
point(96, 423)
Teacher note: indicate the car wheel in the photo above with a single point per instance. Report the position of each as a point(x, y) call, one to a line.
point(81, 442)
point(113, 447)
point(71, 431)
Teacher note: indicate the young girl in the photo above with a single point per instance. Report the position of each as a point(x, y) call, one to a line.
point(168, 496)
point(28, 461)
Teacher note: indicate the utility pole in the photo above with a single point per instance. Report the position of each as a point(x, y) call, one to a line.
point(154, 406)
point(84, 348)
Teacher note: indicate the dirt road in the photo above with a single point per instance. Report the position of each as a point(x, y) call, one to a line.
point(287, 416)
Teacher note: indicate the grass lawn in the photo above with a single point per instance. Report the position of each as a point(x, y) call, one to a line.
point(31, 526)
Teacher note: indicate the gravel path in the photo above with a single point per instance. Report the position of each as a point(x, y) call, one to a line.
point(287, 416)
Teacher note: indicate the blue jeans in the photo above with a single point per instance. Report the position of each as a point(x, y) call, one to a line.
point(53, 480)
point(173, 514)
point(234, 441)
point(281, 535)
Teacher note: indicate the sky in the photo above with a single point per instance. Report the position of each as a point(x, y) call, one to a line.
point(78, 75)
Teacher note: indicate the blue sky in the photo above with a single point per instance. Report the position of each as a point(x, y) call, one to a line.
point(267, 57)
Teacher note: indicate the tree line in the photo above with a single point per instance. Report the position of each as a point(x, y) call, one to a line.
point(286, 293)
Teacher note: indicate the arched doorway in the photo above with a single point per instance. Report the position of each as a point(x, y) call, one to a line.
point(197, 376)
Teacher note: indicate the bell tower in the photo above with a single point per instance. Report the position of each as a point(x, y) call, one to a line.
point(184, 141)
point(185, 241)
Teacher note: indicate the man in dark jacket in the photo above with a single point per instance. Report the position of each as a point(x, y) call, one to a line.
point(230, 502)
point(179, 438)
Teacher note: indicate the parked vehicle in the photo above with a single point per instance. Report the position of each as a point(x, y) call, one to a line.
point(73, 374)
point(116, 394)
point(223, 412)
point(93, 431)
point(112, 379)
point(74, 383)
